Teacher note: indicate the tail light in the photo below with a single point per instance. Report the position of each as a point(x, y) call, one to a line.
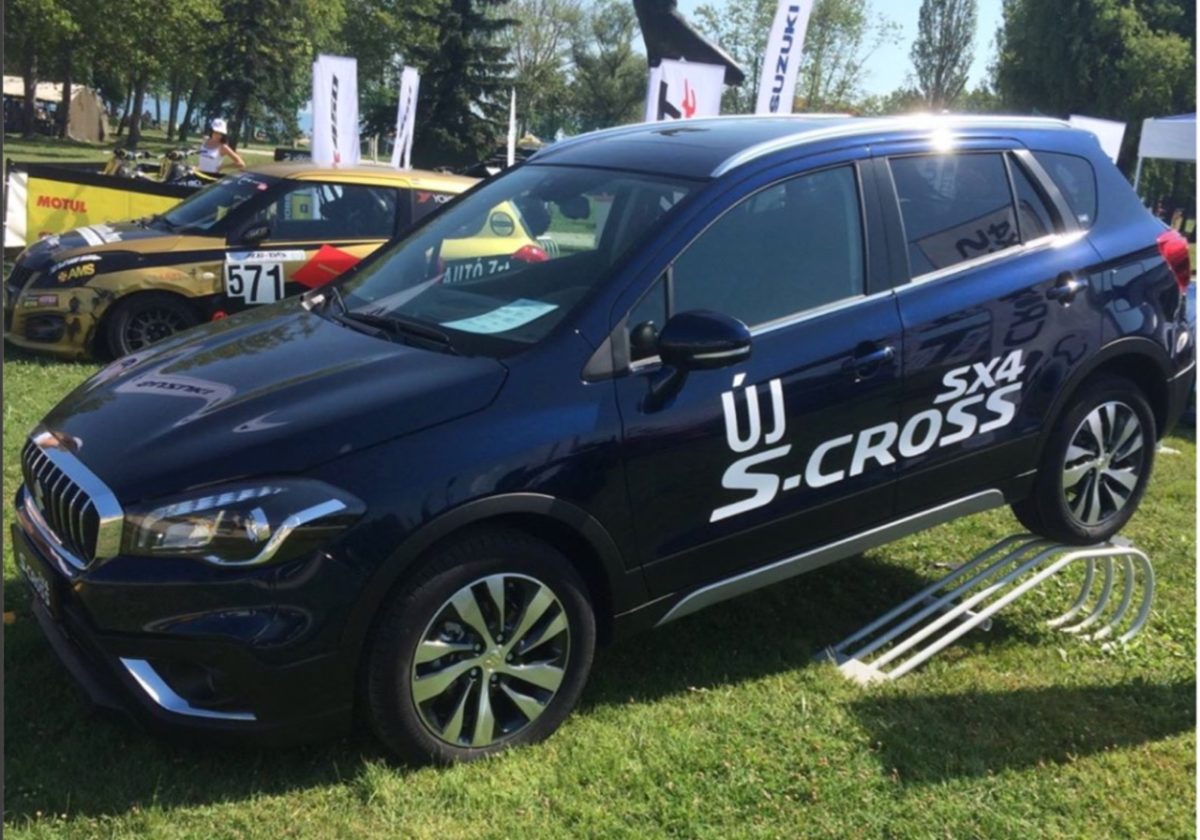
point(1174, 249)
point(534, 254)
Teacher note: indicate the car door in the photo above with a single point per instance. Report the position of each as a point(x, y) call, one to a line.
point(998, 313)
point(784, 450)
point(316, 231)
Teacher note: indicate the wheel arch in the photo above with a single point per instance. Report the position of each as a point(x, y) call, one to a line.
point(1139, 360)
point(99, 340)
point(577, 534)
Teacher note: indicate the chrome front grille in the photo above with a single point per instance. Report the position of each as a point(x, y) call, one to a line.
point(77, 509)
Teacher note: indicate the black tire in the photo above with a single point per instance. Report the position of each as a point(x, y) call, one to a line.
point(1079, 513)
point(145, 318)
point(407, 624)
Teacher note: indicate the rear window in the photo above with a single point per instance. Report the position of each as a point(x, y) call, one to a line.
point(955, 207)
point(1076, 180)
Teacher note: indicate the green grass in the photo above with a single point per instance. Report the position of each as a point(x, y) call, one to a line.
point(716, 726)
point(53, 150)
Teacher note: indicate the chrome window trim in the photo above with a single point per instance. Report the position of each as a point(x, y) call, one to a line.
point(166, 698)
point(108, 509)
point(1053, 240)
point(814, 558)
point(869, 125)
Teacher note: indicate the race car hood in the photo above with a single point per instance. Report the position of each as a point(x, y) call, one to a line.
point(107, 247)
point(263, 393)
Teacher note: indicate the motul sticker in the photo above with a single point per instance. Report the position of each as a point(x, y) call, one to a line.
point(975, 399)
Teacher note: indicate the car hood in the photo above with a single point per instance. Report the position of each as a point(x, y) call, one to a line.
point(264, 393)
point(115, 247)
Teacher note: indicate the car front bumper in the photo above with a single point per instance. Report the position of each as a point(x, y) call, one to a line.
point(222, 682)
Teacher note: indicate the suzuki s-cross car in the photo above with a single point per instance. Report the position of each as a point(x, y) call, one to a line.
point(250, 239)
point(748, 348)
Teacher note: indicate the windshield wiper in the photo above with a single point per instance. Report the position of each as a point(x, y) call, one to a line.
point(392, 325)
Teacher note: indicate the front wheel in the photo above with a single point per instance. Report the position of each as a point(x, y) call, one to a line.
point(1094, 470)
point(488, 646)
point(146, 318)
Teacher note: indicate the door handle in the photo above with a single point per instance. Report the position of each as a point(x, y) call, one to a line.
point(1067, 287)
point(866, 363)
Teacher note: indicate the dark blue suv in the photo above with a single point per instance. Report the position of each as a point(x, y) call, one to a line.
point(742, 349)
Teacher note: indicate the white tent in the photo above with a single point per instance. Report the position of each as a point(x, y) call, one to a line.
point(1166, 138)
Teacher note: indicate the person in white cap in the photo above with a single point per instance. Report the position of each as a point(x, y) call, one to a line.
point(214, 148)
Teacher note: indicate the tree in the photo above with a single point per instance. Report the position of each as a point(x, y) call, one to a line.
point(464, 79)
point(841, 36)
point(1097, 57)
point(942, 53)
point(609, 86)
point(33, 30)
point(539, 50)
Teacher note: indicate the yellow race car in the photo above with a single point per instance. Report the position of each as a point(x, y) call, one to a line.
point(252, 238)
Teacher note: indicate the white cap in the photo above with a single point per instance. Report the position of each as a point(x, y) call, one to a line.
point(220, 125)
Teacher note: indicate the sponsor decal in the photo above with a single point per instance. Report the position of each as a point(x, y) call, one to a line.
point(501, 224)
point(425, 196)
point(98, 235)
point(76, 272)
point(54, 202)
point(975, 399)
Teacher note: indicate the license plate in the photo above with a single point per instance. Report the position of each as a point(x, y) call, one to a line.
point(464, 271)
point(37, 574)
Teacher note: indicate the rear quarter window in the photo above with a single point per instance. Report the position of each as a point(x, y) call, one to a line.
point(1076, 180)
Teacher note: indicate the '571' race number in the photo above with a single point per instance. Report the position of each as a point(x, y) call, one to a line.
point(254, 282)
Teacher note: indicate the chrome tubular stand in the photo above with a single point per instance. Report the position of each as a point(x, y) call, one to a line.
point(914, 631)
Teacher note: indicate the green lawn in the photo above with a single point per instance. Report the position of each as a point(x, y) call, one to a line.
point(716, 726)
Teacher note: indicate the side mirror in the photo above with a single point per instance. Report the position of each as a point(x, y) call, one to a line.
point(254, 234)
point(703, 340)
point(697, 340)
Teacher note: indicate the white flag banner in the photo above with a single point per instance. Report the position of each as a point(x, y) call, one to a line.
point(406, 118)
point(335, 111)
point(511, 150)
point(777, 84)
point(1109, 133)
point(680, 90)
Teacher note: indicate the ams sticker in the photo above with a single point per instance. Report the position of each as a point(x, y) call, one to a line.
point(994, 385)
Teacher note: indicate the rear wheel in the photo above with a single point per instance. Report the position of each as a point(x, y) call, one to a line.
point(146, 318)
point(487, 647)
point(1094, 470)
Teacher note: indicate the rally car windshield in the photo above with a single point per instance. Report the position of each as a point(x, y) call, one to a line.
point(200, 213)
point(500, 268)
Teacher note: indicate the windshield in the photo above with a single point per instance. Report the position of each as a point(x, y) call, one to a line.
point(202, 211)
point(500, 268)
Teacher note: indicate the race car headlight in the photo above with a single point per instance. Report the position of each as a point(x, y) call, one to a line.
point(245, 524)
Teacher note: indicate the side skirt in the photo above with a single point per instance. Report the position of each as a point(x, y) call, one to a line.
point(780, 570)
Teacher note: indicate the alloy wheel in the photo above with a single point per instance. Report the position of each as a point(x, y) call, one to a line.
point(1104, 462)
point(150, 325)
point(491, 660)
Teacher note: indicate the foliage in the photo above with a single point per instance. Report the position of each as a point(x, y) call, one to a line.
point(609, 87)
point(1102, 58)
point(842, 35)
point(464, 82)
point(942, 53)
point(539, 48)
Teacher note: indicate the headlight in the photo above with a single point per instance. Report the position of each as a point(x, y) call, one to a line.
point(244, 524)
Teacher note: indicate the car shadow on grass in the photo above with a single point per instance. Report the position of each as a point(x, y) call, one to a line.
point(932, 738)
point(774, 630)
point(65, 757)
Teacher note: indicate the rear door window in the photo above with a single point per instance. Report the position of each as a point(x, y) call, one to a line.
point(1076, 180)
point(311, 211)
point(955, 207)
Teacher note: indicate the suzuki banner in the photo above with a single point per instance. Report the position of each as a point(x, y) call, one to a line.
point(406, 118)
point(777, 83)
point(680, 90)
point(335, 111)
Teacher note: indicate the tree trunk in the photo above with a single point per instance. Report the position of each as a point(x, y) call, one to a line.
point(135, 116)
point(193, 95)
point(64, 107)
point(29, 106)
point(157, 108)
point(173, 107)
point(124, 120)
point(239, 117)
